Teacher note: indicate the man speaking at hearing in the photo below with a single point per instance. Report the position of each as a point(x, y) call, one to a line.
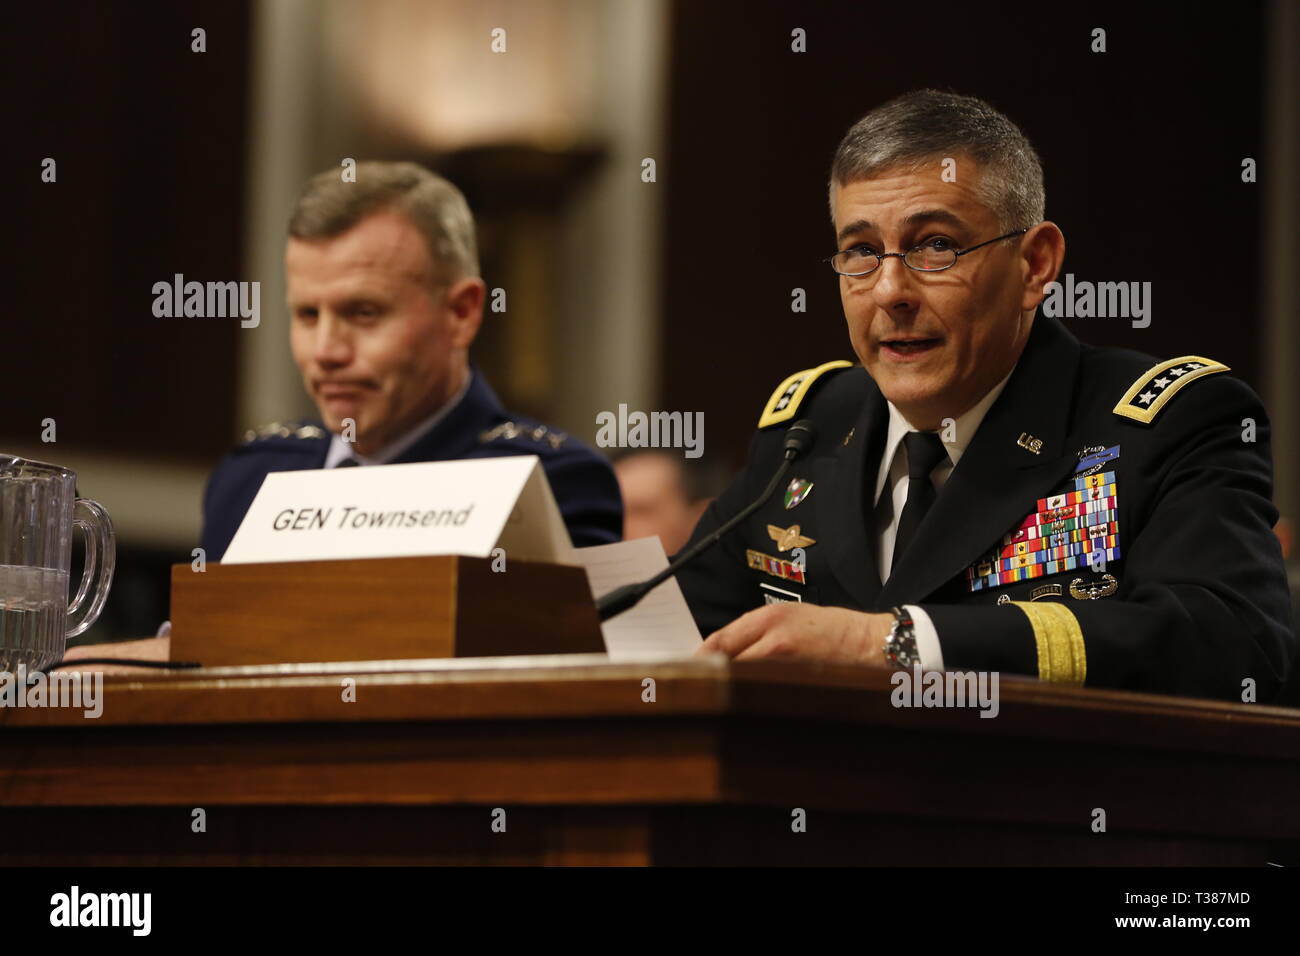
point(986, 492)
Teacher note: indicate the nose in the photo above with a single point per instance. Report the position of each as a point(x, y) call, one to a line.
point(895, 288)
point(332, 347)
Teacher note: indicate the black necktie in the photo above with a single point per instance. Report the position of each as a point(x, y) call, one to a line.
point(924, 451)
point(348, 463)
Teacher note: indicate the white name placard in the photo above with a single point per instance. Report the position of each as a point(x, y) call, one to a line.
point(464, 507)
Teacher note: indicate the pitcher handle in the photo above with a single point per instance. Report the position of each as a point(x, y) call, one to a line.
point(101, 556)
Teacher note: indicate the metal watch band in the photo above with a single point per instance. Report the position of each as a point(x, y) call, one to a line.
point(900, 645)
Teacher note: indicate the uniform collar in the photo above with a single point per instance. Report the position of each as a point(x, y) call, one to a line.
point(1019, 454)
point(339, 449)
point(964, 428)
point(997, 482)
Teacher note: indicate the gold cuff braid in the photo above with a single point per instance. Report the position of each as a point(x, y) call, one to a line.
point(1061, 656)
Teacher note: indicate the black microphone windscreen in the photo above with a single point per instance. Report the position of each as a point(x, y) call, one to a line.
point(800, 437)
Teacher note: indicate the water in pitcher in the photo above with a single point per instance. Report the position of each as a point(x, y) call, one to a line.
point(33, 615)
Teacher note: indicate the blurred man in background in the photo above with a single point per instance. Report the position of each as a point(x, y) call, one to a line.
point(664, 494)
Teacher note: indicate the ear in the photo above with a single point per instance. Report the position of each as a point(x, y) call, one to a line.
point(1042, 252)
point(465, 307)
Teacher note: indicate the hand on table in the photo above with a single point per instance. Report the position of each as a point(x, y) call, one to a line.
point(149, 649)
point(804, 631)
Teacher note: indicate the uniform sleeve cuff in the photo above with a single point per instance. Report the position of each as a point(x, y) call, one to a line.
point(927, 639)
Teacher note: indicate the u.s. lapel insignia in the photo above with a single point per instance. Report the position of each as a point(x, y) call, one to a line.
point(797, 491)
point(1030, 443)
point(1092, 590)
point(789, 570)
point(787, 538)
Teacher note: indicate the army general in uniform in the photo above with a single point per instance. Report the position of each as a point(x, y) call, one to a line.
point(985, 492)
point(385, 300)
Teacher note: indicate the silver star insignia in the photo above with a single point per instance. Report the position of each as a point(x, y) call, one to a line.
point(1162, 382)
point(1147, 397)
point(1178, 372)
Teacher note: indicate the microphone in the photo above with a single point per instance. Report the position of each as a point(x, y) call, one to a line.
point(799, 438)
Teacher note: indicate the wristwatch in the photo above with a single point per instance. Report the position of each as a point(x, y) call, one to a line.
point(900, 645)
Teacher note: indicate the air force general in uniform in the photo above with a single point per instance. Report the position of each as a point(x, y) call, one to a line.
point(984, 491)
point(473, 425)
point(385, 300)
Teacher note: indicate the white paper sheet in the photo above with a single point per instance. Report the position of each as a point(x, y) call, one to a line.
point(660, 626)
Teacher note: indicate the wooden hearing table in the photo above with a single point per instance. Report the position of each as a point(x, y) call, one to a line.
point(572, 756)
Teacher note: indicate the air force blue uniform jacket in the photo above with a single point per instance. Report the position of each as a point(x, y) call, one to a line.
point(478, 427)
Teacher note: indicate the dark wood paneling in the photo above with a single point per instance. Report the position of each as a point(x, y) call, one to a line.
point(149, 138)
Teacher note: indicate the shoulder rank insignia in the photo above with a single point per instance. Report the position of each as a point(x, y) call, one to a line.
point(508, 430)
point(280, 430)
point(1153, 389)
point(785, 400)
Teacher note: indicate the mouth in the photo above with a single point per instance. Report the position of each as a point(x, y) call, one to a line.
point(333, 390)
point(342, 398)
point(901, 348)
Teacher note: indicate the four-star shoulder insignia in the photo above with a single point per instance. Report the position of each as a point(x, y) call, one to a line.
point(509, 430)
point(1154, 388)
point(783, 404)
point(280, 430)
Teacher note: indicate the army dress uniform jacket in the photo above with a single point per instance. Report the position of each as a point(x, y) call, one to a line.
point(1108, 525)
point(477, 427)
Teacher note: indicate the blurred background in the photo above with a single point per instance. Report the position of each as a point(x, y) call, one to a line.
point(673, 294)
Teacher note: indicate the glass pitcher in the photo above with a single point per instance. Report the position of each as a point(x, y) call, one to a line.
point(39, 508)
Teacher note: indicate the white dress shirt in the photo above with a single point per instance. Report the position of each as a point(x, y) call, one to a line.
point(339, 449)
point(892, 480)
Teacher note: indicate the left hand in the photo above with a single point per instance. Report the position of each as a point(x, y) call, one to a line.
point(804, 631)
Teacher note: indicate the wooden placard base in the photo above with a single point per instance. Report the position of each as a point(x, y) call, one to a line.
point(379, 609)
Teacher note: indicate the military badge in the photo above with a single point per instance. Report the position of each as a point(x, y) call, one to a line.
point(1094, 458)
point(787, 538)
point(1153, 390)
point(1077, 529)
point(789, 570)
point(1092, 590)
point(1030, 443)
point(797, 491)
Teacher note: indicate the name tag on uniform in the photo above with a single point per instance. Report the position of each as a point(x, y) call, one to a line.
point(465, 508)
point(775, 595)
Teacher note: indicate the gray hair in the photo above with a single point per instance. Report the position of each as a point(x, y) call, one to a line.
point(328, 206)
point(923, 126)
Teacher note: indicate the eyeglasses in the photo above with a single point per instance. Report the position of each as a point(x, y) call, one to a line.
point(933, 255)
